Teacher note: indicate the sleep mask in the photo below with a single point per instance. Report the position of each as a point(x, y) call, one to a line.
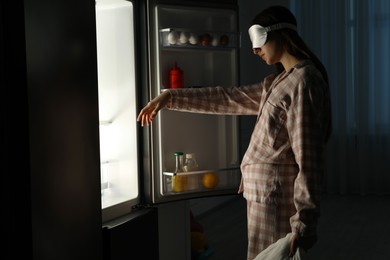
point(258, 33)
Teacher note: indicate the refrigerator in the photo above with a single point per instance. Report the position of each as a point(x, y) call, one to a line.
point(140, 44)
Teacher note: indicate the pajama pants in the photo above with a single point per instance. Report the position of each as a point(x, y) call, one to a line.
point(267, 222)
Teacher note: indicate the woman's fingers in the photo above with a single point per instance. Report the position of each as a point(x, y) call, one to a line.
point(293, 246)
point(147, 114)
point(147, 119)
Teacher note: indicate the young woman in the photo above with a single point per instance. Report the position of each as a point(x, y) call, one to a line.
point(282, 167)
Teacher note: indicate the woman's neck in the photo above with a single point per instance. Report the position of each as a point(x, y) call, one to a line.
point(288, 61)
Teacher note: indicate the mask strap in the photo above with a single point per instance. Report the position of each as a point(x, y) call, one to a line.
point(279, 26)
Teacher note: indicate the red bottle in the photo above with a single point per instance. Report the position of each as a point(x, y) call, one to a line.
point(176, 77)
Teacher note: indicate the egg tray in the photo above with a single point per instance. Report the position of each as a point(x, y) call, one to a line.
point(184, 38)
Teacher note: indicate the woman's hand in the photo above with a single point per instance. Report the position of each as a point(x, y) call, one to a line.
point(148, 113)
point(303, 242)
point(293, 245)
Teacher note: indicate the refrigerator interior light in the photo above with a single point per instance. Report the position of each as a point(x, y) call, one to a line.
point(117, 104)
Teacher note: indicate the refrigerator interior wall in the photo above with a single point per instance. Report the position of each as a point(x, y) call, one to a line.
point(212, 138)
point(117, 104)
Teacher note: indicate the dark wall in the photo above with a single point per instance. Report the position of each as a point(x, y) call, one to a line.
point(51, 117)
point(15, 168)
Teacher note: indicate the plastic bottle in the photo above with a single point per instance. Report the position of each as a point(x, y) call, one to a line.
point(179, 180)
point(176, 77)
point(191, 165)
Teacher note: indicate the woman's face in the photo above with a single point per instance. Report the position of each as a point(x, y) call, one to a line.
point(272, 50)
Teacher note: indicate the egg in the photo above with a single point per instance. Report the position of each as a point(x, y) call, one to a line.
point(224, 40)
point(183, 38)
point(205, 39)
point(173, 37)
point(193, 39)
point(215, 40)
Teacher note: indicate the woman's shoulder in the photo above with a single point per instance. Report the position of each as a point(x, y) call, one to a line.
point(309, 72)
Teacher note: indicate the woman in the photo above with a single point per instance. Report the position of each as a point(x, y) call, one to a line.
point(282, 167)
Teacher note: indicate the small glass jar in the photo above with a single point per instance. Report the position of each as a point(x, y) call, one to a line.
point(191, 165)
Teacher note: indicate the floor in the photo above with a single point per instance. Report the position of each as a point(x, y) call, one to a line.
point(225, 230)
point(350, 228)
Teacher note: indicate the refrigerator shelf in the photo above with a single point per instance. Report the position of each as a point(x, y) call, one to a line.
point(178, 38)
point(202, 171)
point(201, 190)
point(200, 181)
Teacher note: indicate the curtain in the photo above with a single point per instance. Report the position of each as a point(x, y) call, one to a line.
point(352, 38)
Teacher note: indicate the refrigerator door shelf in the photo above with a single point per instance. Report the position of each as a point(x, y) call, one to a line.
point(200, 181)
point(202, 171)
point(178, 38)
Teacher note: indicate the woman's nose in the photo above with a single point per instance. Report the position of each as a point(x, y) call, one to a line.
point(256, 50)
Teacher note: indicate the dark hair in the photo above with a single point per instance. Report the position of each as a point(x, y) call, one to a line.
point(293, 43)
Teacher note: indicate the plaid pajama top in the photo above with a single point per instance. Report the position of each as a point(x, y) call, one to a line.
point(283, 163)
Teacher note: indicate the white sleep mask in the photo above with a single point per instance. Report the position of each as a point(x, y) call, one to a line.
point(258, 33)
